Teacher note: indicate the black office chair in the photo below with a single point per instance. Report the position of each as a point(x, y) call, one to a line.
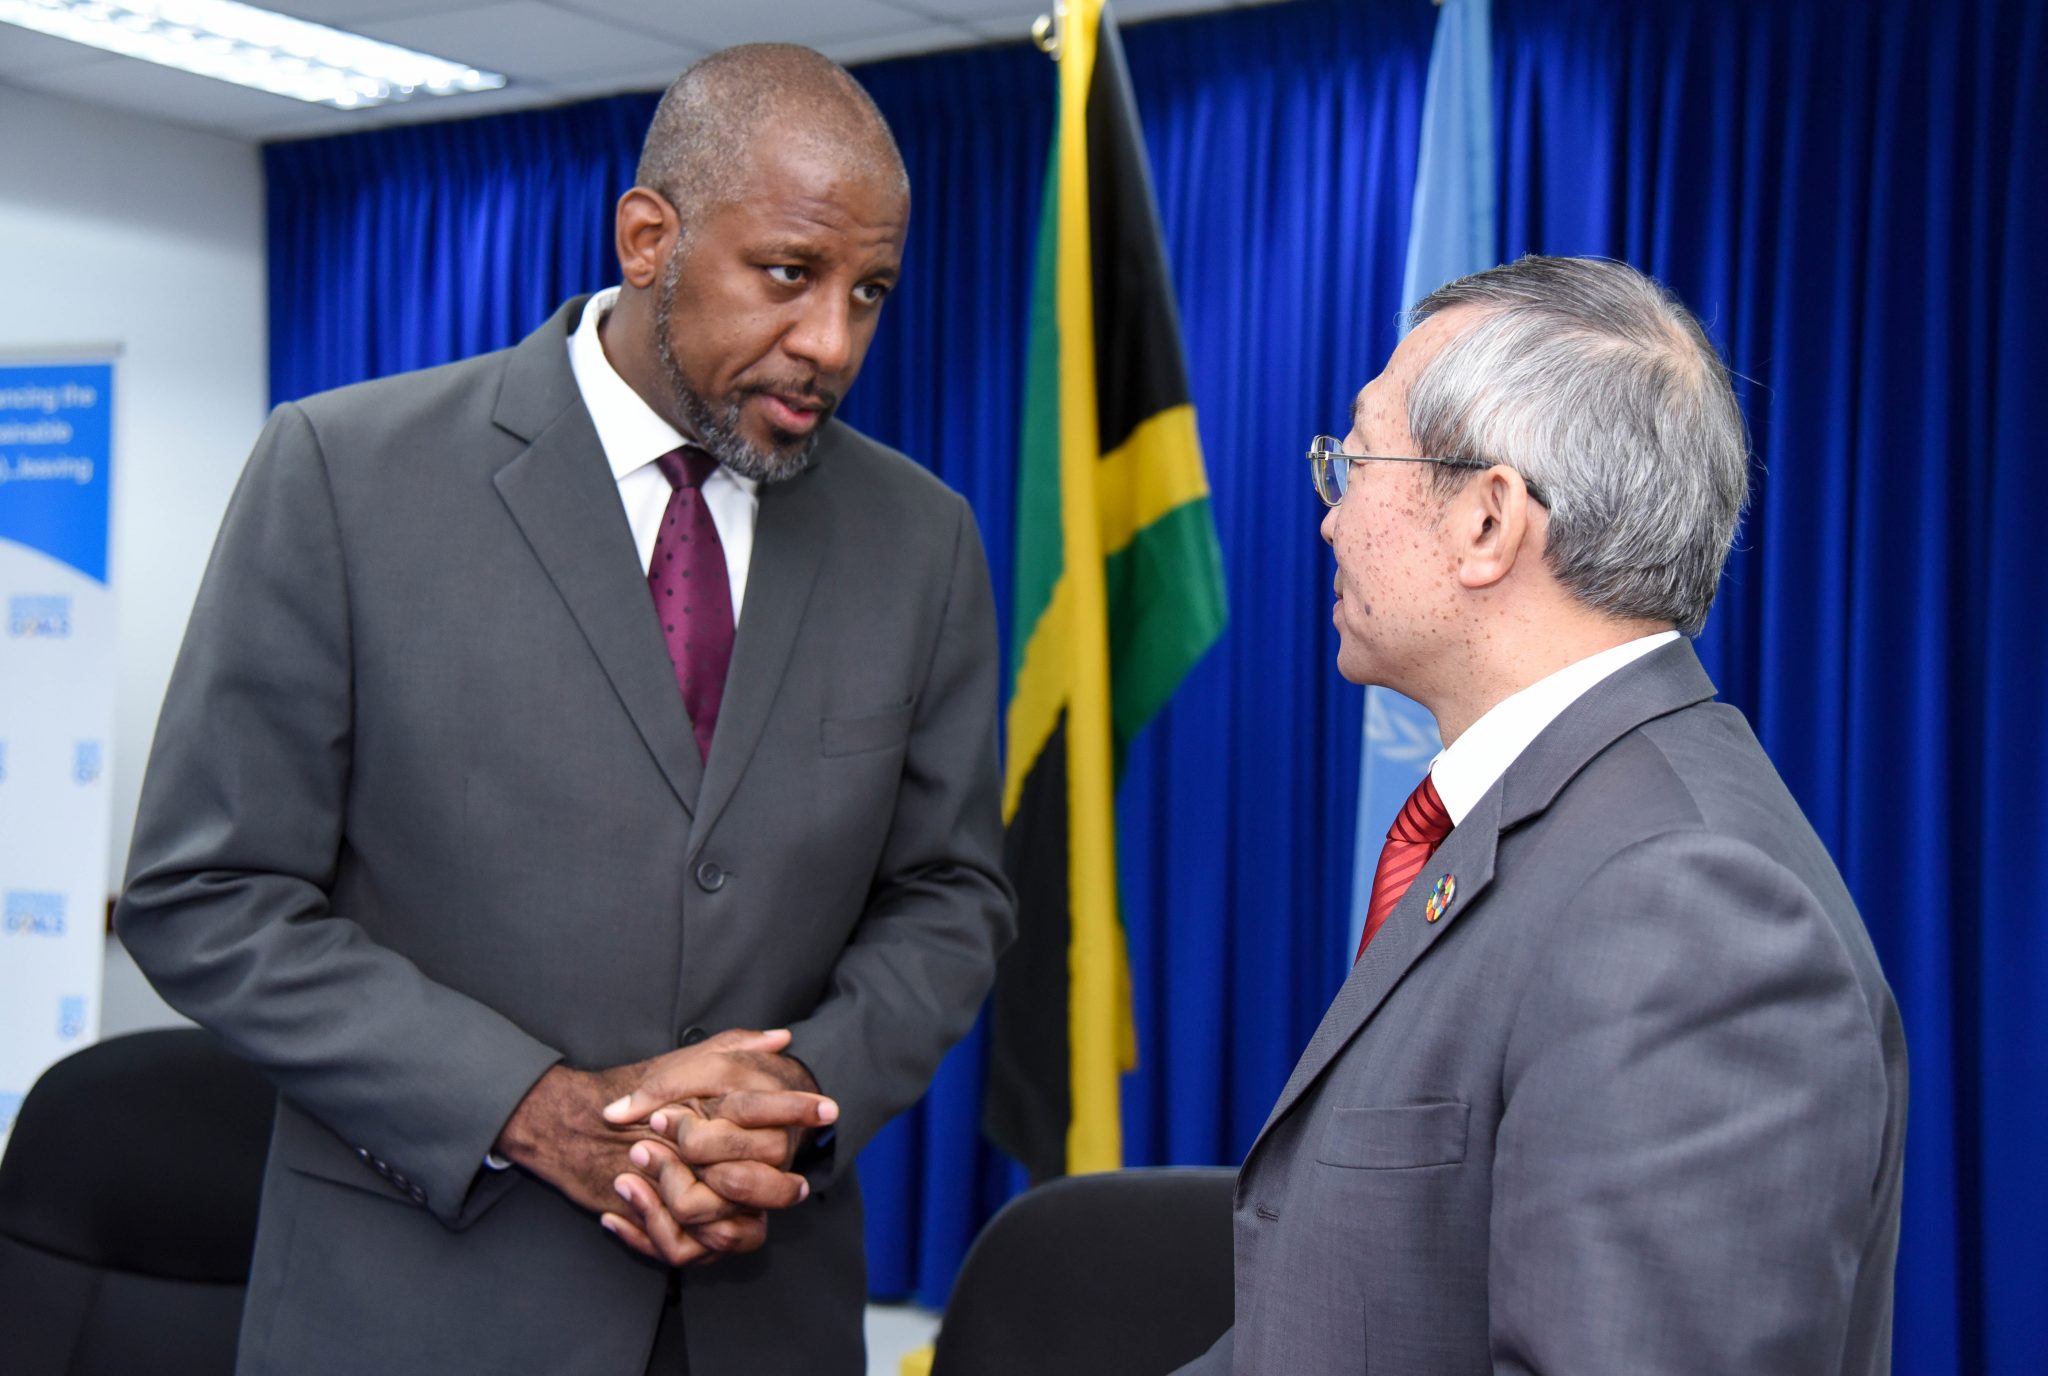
point(1122, 1274)
point(128, 1209)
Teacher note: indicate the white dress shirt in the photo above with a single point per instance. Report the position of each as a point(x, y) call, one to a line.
point(1466, 768)
point(633, 437)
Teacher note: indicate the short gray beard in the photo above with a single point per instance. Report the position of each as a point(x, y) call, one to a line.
point(718, 431)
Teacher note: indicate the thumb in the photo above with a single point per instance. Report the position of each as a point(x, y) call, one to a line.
point(735, 1039)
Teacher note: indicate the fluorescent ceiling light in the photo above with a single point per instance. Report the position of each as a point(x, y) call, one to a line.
point(252, 47)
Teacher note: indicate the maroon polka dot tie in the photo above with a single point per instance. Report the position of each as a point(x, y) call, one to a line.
point(1418, 830)
point(691, 592)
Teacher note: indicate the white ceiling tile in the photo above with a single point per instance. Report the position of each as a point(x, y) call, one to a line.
point(713, 24)
point(164, 93)
point(930, 38)
point(315, 122)
point(1011, 22)
point(614, 81)
point(529, 38)
point(497, 102)
point(1013, 26)
point(25, 50)
point(346, 14)
point(555, 50)
point(521, 95)
point(958, 10)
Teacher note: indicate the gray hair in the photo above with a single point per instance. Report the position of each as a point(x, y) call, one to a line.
point(697, 146)
point(1598, 386)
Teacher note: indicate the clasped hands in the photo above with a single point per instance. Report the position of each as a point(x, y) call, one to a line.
point(681, 1156)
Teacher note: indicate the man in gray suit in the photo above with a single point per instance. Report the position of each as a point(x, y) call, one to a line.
point(1616, 1084)
point(457, 838)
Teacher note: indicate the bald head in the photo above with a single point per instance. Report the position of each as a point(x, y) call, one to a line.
point(698, 148)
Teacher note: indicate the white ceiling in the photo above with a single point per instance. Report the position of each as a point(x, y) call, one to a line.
point(551, 50)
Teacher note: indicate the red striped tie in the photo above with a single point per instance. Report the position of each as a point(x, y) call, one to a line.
point(1417, 831)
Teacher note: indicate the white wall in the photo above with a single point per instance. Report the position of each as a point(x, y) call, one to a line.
point(117, 230)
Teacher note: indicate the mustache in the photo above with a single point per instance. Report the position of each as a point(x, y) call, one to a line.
point(806, 391)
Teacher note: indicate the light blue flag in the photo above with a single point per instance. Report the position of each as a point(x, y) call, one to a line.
point(1450, 234)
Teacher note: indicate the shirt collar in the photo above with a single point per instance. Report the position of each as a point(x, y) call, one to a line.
point(629, 431)
point(1470, 765)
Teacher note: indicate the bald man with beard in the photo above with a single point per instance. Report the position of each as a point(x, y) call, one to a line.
point(577, 792)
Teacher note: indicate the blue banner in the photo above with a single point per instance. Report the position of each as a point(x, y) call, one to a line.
point(56, 431)
point(56, 711)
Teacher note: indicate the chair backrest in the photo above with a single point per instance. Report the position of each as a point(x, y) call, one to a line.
point(128, 1200)
point(1122, 1274)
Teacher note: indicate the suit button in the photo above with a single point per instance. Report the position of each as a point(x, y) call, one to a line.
point(710, 878)
point(693, 1035)
point(363, 1154)
point(419, 1196)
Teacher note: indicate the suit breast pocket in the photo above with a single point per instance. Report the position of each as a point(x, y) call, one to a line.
point(866, 732)
point(1396, 1138)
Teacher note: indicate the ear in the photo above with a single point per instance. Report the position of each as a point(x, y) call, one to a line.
point(646, 229)
point(1494, 523)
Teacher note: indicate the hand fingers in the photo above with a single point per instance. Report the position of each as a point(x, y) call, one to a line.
point(700, 1143)
point(784, 1108)
point(743, 1233)
point(662, 1232)
point(628, 1232)
point(693, 1071)
point(753, 1185)
point(771, 1137)
point(689, 1200)
point(651, 1157)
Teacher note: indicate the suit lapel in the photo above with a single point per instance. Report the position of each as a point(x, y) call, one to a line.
point(1663, 681)
point(561, 494)
point(1467, 855)
point(792, 532)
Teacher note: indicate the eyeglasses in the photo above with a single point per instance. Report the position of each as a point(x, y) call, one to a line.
point(1330, 466)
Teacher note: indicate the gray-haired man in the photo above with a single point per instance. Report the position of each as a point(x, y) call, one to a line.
point(1616, 1084)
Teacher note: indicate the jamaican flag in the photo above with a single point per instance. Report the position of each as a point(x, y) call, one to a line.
point(1119, 590)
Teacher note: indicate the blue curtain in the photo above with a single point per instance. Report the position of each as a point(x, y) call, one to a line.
point(1845, 191)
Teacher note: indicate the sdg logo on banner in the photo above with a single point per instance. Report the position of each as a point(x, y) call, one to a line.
point(46, 618)
point(27, 912)
point(85, 762)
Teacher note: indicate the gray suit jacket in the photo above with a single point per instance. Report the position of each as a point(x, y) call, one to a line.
point(424, 815)
point(1633, 1103)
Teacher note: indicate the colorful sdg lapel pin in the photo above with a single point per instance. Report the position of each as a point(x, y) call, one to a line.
point(1440, 898)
